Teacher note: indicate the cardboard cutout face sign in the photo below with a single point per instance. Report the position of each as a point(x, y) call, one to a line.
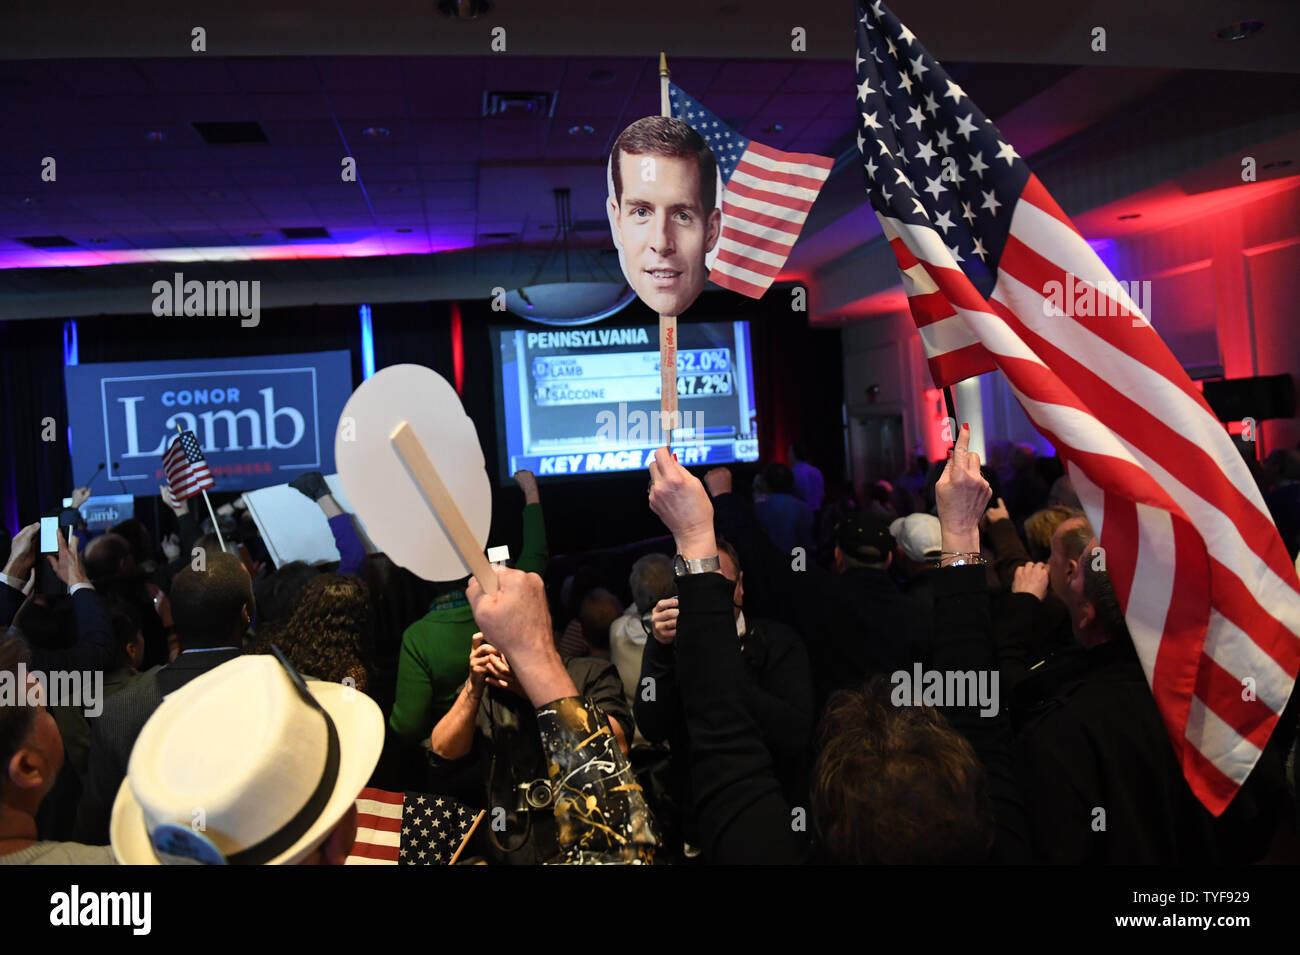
point(664, 224)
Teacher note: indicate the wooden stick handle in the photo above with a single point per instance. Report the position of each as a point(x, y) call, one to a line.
point(668, 377)
point(443, 505)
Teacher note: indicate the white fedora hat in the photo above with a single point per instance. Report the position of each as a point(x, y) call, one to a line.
point(246, 764)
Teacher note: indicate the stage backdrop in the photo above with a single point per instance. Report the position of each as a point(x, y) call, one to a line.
point(259, 420)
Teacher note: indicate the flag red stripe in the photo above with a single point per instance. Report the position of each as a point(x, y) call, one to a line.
point(368, 820)
point(731, 230)
point(759, 218)
point(367, 850)
point(774, 175)
point(792, 203)
point(963, 363)
point(745, 262)
point(735, 284)
point(1196, 468)
point(1233, 599)
point(1253, 719)
point(1209, 784)
point(382, 795)
point(806, 159)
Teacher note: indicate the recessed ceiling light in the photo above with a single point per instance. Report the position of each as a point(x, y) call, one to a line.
point(774, 128)
point(403, 230)
point(1131, 215)
point(375, 132)
point(155, 135)
point(582, 130)
point(1239, 31)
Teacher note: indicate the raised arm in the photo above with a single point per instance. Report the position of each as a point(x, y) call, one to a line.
point(742, 814)
point(534, 555)
point(600, 808)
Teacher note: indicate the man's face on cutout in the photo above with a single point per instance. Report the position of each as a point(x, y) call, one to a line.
point(664, 230)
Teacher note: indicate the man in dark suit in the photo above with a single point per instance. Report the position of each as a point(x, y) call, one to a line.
point(212, 609)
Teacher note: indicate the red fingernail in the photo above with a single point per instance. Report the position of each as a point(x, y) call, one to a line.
point(965, 427)
point(674, 455)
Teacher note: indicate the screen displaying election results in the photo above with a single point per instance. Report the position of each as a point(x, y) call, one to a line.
point(575, 401)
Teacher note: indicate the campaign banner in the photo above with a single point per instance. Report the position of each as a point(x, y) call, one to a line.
point(259, 421)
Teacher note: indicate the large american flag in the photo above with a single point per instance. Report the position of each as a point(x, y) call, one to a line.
point(410, 828)
point(187, 471)
point(1209, 594)
point(766, 195)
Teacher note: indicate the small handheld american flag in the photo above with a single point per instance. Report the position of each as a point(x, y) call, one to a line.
point(187, 472)
point(410, 829)
point(766, 197)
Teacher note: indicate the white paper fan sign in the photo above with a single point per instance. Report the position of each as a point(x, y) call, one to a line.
point(410, 463)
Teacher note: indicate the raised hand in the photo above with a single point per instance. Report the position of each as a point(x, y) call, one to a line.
point(962, 494)
point(22, 553)
point(681, 502)
point(527, 482)
point(1031, 579)
point(68, 566)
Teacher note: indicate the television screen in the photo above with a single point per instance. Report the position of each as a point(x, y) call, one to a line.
point(573, 401)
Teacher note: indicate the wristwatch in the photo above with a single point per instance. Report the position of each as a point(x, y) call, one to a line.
point(696, 565)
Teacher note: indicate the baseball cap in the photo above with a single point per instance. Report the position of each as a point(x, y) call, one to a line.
point(864, 537)
point(918, 536)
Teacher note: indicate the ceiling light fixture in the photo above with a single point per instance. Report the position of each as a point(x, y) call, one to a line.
point(376, 132)
point(567, 302)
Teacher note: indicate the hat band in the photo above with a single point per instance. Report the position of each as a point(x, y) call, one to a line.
point(283, 838)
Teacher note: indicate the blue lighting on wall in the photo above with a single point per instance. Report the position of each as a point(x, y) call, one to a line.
point(70, 342)
point(367, 344)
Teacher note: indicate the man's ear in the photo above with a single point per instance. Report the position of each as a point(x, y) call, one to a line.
point(27, 768)
point(714, 230)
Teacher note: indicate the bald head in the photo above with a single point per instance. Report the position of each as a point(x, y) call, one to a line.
point(1095, 613)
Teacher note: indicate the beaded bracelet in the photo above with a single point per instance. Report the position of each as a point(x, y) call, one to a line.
point(963, 558)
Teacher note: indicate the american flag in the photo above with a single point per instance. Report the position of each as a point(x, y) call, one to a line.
point(410, 828)
point(187, 472)
point(1210, 597)
point(766, 195)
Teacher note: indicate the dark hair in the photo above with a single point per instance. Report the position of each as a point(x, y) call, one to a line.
point(124, 618)
point(104, 555)
point(1099, 590)
point(324, 634)
point(15, 721)
point(725, 547)
point(599, 610)
point(652, 580)
point(665, 136)
point(897, 785)
point(206, 604)
point(278, 593)
point(779, 478)
point(138, 536)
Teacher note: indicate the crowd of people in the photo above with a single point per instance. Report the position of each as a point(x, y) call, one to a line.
point(745, 690)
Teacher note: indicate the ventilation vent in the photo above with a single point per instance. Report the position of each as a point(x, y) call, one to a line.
point(524, 104)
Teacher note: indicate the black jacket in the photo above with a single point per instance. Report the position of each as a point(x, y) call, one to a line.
point(114, 732)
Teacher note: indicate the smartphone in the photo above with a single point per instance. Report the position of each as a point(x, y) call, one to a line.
point(49, 535)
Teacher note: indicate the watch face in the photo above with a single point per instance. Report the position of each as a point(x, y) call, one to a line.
point(679, 565)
